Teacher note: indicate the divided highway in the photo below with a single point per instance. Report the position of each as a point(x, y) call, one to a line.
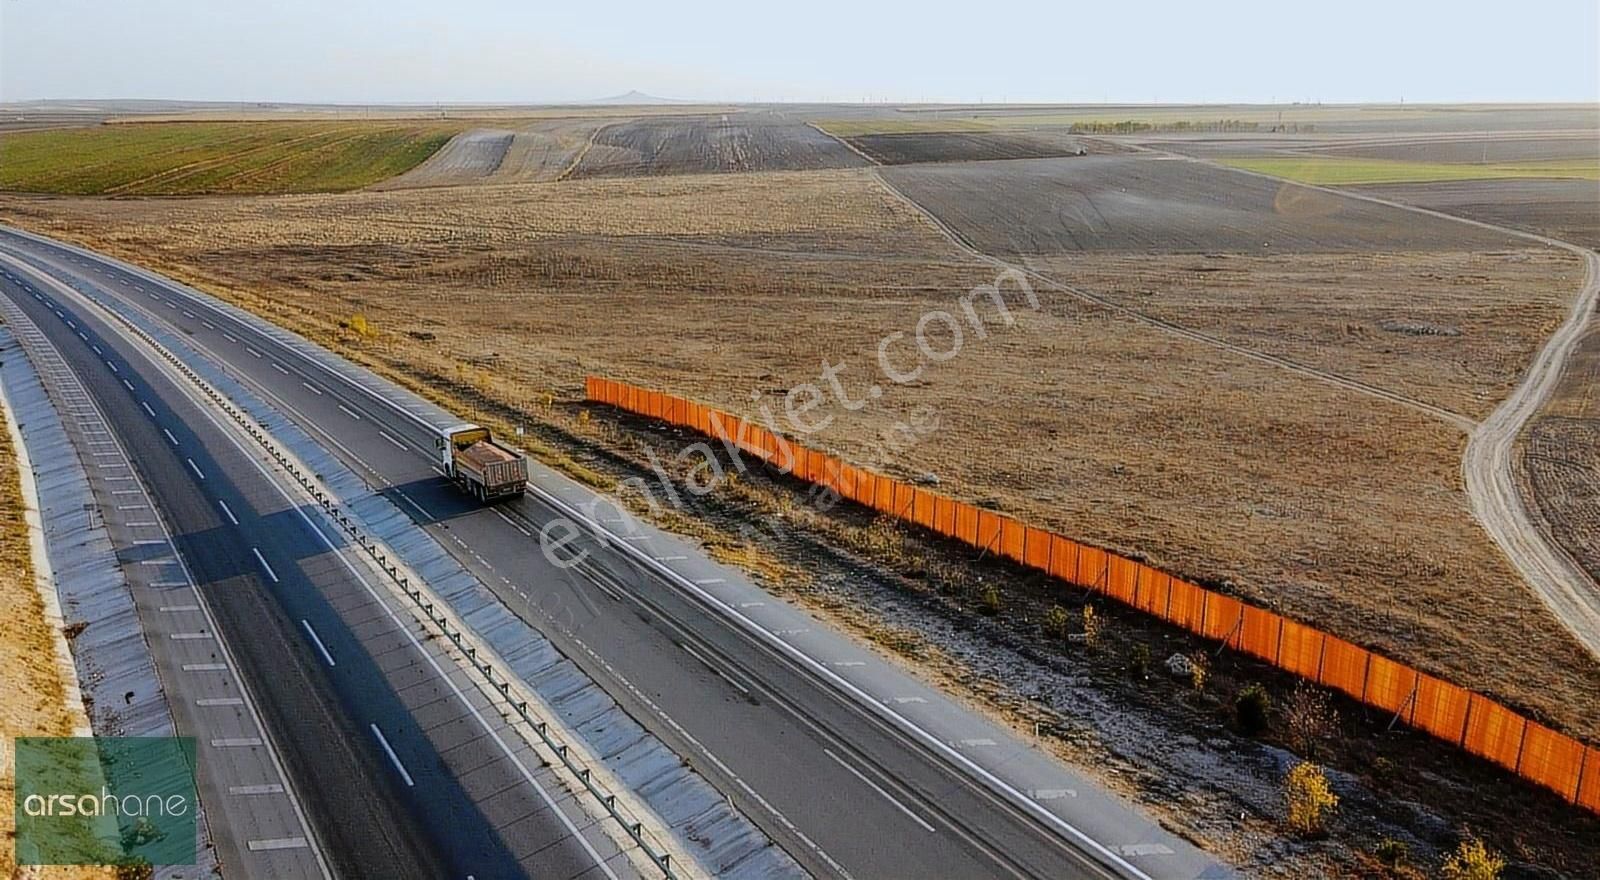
point(848, 789)
point(402, 767)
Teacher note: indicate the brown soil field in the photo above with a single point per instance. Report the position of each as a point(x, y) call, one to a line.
point(968, 146)
point(748, 140)
point(1560, 457)
point(1451, 329)
point(1158, 204)
point(1327, 503)
point(468, 157)
point(1564, 209)
point(538, 151)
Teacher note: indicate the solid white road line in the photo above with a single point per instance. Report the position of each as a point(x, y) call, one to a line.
point(263, 560)
point(315, 640)
point(225, 509)
point(392, 756)
point(875, 787)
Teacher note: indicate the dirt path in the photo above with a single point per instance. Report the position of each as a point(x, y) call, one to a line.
point(1488, 465)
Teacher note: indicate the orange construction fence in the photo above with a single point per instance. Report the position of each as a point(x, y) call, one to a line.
point(1458, 716)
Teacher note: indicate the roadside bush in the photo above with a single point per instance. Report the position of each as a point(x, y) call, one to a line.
point(1393, 853)
point(1253, 709)
point(1199, 670)
point(1056, 622)
point(990, 604)
point(1309, 798)
point(1092, 627)
point(1472, 860)
point(1310, 717)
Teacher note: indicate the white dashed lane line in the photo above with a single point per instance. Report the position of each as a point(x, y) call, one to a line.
point(148, 409)
point(398, 444)
point(312, 387)
point(393, 758)
point(196, 468)
point(279, 367)
point(316, 640)
point(227, 510)
point(349, 412)
point(263, 560)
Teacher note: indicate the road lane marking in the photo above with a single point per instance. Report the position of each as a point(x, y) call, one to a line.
point(263, 560)
point(875, 787)
point(196, 468)
point(312, 387)
point(205, 667)
point(113, 367)
point(148, 409)
point(316, 640)
point(707, 664)
point(229, 336)
point(708, 581)
point(97, 350)
point(126, 384)
point(272, 788)
point(190, 637)
point(208, 325)
point(188, 314)
point(848, 663)
point(228, 511)
point(392, 756)
point(277, 843)
point(174, 609)
point(169, 436)
point(279, 367)
point(253, 352)
point(349, 413)
point(400, 445)
point(236, 742)
point(1051, 794)
point(977, 742)
point(219, 701)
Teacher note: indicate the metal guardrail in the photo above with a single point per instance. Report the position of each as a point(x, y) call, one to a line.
point(497, 680)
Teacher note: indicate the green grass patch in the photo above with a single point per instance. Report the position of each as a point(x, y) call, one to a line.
point(194, 158)
point(1339, 171)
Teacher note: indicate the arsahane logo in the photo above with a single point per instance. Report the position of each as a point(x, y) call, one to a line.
point(106, 801)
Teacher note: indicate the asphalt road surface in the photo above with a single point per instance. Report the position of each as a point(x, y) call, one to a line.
point(402, 769)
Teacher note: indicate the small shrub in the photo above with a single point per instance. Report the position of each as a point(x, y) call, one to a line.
point(1393, 853)
point(361, 326)
point(1472, 860)
point(990, 604)
point(1309, 798)
point(1253, 709)
point(1139, 661)
point(1310, 717)
point(1092, 627)
point(1199, 670)
point(1382, 769)
point(1056, 622)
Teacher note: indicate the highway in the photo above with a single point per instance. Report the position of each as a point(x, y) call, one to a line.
point(848, 787)
point(400, 766)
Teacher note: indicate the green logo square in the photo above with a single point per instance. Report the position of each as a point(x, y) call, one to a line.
point(106, 801)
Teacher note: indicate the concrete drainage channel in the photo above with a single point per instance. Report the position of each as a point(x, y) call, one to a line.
point(725, 842)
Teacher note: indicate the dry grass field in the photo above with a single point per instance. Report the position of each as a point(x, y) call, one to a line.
point(1333, 505)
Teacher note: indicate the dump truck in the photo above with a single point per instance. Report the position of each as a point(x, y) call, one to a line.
point(478, 464)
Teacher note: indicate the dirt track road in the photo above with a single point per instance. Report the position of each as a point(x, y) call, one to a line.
point(1488, 465)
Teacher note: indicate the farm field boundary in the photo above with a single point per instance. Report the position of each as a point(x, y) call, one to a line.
point(1471, 721)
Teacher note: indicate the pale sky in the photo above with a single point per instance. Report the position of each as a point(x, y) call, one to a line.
point(363, 51)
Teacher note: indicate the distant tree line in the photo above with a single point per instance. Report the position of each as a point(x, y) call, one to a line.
point(1132, 126)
